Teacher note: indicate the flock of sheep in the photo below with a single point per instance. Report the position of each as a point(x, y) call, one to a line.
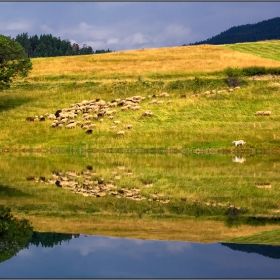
point(95, 111)
point(98, 110)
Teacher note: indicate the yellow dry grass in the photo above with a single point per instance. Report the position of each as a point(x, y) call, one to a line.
point(171, 60)
point(193, 230)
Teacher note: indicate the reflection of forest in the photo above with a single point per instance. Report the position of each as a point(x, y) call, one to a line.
point(265, 250)
point(16, 234)
point(49, 239)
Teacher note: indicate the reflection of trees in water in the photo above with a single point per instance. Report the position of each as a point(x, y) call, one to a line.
point(49, 239)
point(14, 234)
point(236, 218)
point(265, 250)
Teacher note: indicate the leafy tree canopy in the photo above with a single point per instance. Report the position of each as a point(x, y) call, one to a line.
point(13, 61)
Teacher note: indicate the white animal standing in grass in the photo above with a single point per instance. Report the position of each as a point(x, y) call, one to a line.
point(121, 132)
point(238, 143)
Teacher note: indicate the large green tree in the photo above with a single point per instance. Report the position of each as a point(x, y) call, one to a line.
point(13, 61)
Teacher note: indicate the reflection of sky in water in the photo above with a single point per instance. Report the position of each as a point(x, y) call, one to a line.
point(105, 257)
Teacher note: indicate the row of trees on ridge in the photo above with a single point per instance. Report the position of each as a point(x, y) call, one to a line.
point(48, 45)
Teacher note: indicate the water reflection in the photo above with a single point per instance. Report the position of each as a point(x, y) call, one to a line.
point(105, 257)
point(14, 234)
point(148, 186)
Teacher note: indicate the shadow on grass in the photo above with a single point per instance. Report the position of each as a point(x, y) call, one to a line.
point(9, 102)
point(6, 191)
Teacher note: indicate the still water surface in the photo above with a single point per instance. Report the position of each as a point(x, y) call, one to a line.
point(106, 257)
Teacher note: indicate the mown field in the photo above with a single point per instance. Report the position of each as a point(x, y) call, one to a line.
point(187, 121)
point(266, 49)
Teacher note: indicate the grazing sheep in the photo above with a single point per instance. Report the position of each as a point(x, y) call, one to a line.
point(129, 126)
point(117, 122)
point(57, 113)
point(137, 107)
point(71, 125)
point(147, 113)
point(113, 127)
point(121, 132)
point(263, 113)
point(238, 143)
point(89, 131)
point(85, 127)
point(86, 123)
point(30, 119)
point(267, 113)
point(164, 94)
point(93, 125)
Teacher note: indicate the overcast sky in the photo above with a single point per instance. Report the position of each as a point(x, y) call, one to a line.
point(131, 25)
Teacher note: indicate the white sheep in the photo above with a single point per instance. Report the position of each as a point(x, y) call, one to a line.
point(71, 125)
point(238, 143)
point(121, 132)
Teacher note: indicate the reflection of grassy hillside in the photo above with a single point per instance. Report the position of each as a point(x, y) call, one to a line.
point(197, 186)
point(266, 237)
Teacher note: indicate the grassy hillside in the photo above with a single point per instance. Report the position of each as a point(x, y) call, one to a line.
point(193, 120)
point(265, 49)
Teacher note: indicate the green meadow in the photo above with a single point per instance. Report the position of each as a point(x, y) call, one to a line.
point(180, 159)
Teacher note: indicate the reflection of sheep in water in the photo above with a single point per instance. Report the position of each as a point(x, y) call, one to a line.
point(238, 143)
point(238, 159)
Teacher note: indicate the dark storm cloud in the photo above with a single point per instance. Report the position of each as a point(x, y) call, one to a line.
point(131, 25)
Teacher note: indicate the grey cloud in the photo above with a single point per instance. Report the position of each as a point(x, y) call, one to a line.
point(131, 25)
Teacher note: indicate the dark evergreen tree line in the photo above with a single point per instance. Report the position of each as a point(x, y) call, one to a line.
point(48, 45)
point(264, 30)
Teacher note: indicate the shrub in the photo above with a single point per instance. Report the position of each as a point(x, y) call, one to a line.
point(254, 70)
point(233, 76)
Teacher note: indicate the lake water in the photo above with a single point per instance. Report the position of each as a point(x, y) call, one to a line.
point(106, 257)
point(198, 186)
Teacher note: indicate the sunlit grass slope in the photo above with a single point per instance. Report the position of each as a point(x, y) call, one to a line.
point(148, 63)
point(197, 121)
point(265, 49)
